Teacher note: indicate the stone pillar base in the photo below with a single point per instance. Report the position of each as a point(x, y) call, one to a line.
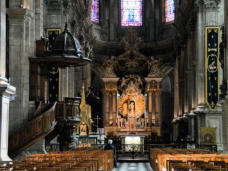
point(7, 93)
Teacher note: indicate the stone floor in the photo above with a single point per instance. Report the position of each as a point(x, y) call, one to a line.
point(133, 167)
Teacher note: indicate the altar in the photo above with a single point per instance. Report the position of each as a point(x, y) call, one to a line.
point(132, 106)
point(132, 90)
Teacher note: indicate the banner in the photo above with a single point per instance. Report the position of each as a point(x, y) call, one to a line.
point(212, 40)
point(54, 82)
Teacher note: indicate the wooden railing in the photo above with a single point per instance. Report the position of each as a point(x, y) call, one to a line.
point(32, 132)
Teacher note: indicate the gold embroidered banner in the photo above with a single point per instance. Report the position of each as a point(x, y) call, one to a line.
point(212, 40)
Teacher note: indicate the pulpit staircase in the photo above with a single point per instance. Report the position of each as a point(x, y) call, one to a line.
point(37, 128)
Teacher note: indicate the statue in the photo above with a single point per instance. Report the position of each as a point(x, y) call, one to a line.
point(83, 129)
point(132, 100)
point(131, 112)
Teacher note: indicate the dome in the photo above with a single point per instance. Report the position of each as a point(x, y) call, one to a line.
point(66, 44)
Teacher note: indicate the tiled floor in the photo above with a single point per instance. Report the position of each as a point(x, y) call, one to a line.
point(133, 167)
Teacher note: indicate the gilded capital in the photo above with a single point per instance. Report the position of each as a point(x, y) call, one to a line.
point(157, 92)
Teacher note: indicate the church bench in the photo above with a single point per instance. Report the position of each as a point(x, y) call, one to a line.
point(195, 158)
point(77, 160)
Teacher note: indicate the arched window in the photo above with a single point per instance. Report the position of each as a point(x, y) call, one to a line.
point(169, 10)
point(95, 11)
point(131, 12)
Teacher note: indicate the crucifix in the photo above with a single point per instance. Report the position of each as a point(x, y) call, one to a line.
point(97, 120)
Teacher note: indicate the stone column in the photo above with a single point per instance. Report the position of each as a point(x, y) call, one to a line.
point(176, 89)
point(107, 98)
point(20, 49)
point(226, 77)
point(114, 94)
point(39, 18)
point(6, 90)
point(200, 66)
point(111, 19)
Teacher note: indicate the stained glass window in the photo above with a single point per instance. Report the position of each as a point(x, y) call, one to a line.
point(95, 11)
point(169, 10)
point(131, 12)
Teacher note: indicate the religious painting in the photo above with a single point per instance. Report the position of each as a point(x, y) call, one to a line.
point(52, 34)
point(95, 11)
point(208, 136)
point(212, 36)
point(169, 10)
point(131, 12)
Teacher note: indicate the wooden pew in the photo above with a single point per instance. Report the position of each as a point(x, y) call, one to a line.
point(185, 159)
point(76, 160)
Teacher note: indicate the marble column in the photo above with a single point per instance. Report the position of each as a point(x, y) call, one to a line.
point(157, 107)
point(107, 98)
point(176, 99)
point(114, 102)
point(6, 90)
point(157, 110)
point(150, 107)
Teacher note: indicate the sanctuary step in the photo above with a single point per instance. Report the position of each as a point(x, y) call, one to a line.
point(129, 166)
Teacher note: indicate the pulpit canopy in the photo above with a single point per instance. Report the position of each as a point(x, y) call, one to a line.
point(65, 52)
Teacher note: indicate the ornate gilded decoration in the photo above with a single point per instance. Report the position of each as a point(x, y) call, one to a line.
point(83, 115)
point(131, 101)
point(83, 105)
point(208, 136)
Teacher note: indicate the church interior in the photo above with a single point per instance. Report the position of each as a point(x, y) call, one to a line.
point(113, 85)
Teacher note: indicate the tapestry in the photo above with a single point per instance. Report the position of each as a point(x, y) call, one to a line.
point(54, 78)
point(212, 39)
point(207, 136)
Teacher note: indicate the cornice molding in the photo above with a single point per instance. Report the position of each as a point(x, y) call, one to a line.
point(211, 4)
point(19, 13)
